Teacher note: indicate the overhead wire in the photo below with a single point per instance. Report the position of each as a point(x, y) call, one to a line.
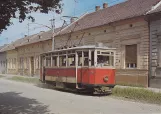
point(78, 13)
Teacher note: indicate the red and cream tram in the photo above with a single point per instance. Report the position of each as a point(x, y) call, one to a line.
point(89, 68)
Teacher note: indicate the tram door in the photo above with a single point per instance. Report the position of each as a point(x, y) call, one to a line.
point(83, 67)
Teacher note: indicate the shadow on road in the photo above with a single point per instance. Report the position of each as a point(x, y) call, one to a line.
point(13, 103)
point(70, 90)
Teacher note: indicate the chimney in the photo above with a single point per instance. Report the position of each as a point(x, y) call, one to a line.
point(72, 20)
point(105, 5)
point(98, 8)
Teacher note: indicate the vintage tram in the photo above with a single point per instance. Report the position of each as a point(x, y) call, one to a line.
point(89, 68)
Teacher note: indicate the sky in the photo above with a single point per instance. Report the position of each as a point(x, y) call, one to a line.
point(70, 8)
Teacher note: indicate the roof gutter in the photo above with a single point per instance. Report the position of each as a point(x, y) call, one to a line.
point(153, 8)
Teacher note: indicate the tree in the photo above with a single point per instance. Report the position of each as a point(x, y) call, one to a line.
point(21, 9)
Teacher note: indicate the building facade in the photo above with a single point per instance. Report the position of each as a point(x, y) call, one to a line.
point(23, 55)
point(3, 61)
point(29, 52)
point(154, 18)
point(127, 32)
point(11, 57)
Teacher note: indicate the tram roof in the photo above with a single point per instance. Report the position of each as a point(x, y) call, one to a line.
point(82, 47)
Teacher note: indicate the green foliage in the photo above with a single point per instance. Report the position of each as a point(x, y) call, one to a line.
point(25, 79)
point(21, 9)
point(138, 94)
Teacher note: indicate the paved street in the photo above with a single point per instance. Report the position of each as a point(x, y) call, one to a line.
point(21, 98)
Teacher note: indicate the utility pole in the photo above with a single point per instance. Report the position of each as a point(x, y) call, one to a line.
point(53, 25)
point(28, 26)
point(75, 1)
point(53, 31)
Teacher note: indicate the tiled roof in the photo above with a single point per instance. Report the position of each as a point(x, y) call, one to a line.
point(42, 36)
point(125, 10)
point(1, 47)
point(12, 45)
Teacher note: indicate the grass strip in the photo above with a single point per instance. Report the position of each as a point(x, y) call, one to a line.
point(2, 76)
point(25, 79)
point(138, 94)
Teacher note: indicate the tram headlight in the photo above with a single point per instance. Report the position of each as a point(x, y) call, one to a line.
point(105, 79)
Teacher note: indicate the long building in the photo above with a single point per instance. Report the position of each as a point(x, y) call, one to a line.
point(23, 55)
point(123, 26)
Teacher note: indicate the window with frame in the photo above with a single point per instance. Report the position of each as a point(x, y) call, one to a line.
point(27, 62)
point(86, 58)
point(21, 63)
point(79, 58)
point(105, 58)
point(48, 61)
point(37, 62)
point(71, 60)
point(14, 63)
point(4, 63)
point(92, 58)
point(54, 61)
point(131, 56)
point(62, 61)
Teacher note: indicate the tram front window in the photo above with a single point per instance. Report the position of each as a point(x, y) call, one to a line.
point(105, 60)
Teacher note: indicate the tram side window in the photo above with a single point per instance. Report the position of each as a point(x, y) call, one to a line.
point(92, 58)
point(62, 60)
point(105, 60)
point(86, 58)
point(54, 61)
point(79, 58)
point(48, 61)
point(71, 60)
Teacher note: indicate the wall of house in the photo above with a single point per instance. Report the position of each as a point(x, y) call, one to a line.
point(29, 57)
point(118, 35)
point(12, 65)
point(155, 65)
point(3, 65)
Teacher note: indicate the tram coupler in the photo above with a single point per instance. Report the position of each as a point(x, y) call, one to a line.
point(102, 90)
